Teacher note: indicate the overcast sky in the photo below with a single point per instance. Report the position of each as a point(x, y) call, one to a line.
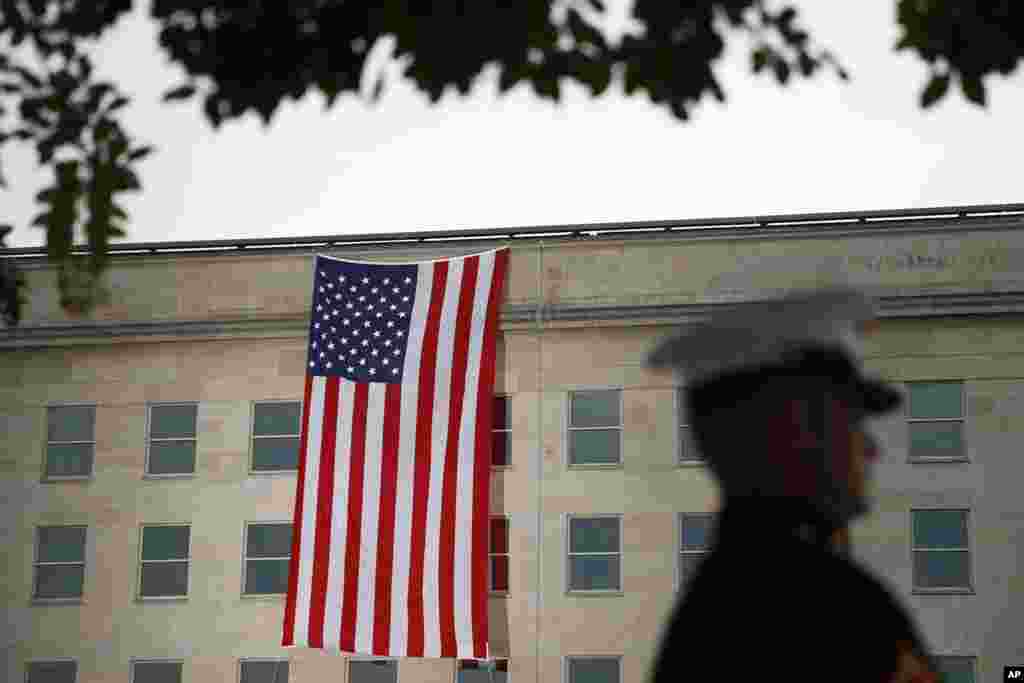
point(488, 161)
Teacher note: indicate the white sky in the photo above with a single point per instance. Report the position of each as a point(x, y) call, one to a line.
point(488, 161)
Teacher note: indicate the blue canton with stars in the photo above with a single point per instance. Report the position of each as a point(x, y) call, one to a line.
point(360, 320)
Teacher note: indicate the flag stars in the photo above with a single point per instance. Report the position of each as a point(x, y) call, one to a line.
point(387, 281)
point(373, 291)
point(387, 343)
point(352, 289)
point(329, 365)
point(330, 347)
point(362, 361)
point(374, 352)
point(350, 368)
point(330, 285)
point(344, 321)
point(366, 324)
point(385, 361)
point(319, 308)
point(395, 290)
point(366, 280)
point(394, 371)
point(362, 298)
point(376, 333)
point(391, 323)
point(341, 278)
point(373, 371)
point(349, 305)
point(407, 280)
point(405, 299)
point(366, 342)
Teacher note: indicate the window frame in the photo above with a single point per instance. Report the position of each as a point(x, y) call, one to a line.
point(275, 660)
point(567, 658)
point(908, 420)
point(253, 436)
point(54, 660)
point(973, 659)
point(951, 590)
point(681, 447)
point(368, 658)
point(567, 529)
point(246, 559)
point(188, 566)
point(153, 660)
point(36, 563)
point(507, 672)
point(507, 554)
point(568, 429)
point(679, 583)
point(507, 431)
point(146, 473)
point(46, 443)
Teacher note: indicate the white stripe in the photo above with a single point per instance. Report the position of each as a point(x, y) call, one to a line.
point(439, 443)
point(308, 529)
point(404, 493)
point(369, 539)
point(339, 518)
point(467, 458)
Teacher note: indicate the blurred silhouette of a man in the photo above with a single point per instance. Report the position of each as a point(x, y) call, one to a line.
point(778, 407)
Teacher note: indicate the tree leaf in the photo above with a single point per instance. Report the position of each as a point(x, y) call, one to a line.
point(974, 89)
point(781, 69)
point(936, 88)
point(182, 92)
point(140, 153)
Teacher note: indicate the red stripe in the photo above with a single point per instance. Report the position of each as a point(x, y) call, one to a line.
point(446, 557)
point(481, 463)
point(357, 463)
point(322, 533)
point(424, 419)
point(293, 564)
point(386, 523)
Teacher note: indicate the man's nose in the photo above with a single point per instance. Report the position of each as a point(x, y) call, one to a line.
point(872, 450)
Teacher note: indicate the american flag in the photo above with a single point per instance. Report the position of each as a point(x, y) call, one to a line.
point(389, 545)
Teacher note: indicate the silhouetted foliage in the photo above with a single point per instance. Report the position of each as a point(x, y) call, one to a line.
point(250, 56)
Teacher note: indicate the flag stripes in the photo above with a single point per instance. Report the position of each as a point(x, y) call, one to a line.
point(389, 553)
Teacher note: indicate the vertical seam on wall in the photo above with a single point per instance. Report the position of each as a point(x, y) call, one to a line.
point(538, 319)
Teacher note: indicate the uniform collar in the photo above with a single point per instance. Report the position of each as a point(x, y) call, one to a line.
point(771, 517)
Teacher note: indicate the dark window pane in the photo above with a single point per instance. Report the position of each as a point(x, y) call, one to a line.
point(499, 535)
point(275, 454)
point(688, 449)
point(492, 671)
point(936, 439)
point(604, 670)
point(61, 544)
point(596, 535)
point(266, 577)
point(499, 573)
point(688, 564)
point(161, 579)
point(594, 408)
point(69, 459)
point(373, 672)
point(941, 569)
point(594, 447)
point(502, 410)
point(936, 399)
point(276, 418)
point(696, 532)
point(156, 672)
point(70, 423)
point(501, 448)
point(172, 457)
point(595, 572)
point(59, 581)
point(269, 540)
point(172, 422)
point(52, 672)
point(940, 529)
point(264, 672)
point(165, 542)
point(955, 669)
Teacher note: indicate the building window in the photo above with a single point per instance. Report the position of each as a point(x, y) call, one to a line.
point(935, 421)
point(940, 549)
point(481, 671)
point(267, 550)
point(372, 671)
point(156, 672)
point(595, 553)
point(263, 671)
point(687, 449)
point(165, 557)
point(501, 450)
point(70, 442)
point(595, 427)
point(498, 579)
point(172, 439)
point(59, 671)
point(955, 669)
point(694, 541)
point(594, 669)
point(276, 431)
point(60, 563)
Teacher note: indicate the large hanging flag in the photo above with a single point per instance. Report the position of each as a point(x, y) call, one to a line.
point(389, 545)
